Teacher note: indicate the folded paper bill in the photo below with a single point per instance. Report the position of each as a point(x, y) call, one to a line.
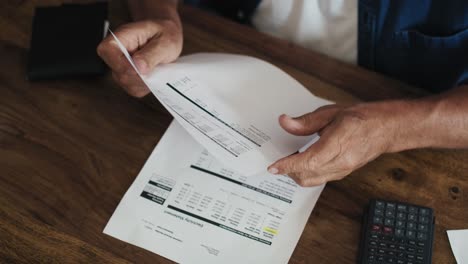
point(230, 105)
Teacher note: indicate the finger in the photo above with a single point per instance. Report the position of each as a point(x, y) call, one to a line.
point(132, 84)
point(299, 162)
point(152, 54)
point(309, 123)
point(308, 179)
point(132, 36)
point(109, 51)
point(312, 158)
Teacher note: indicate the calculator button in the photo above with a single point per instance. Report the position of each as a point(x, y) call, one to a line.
point(411, 217)
point(411, 226)
point(410, 234)
point(381, 251)
point(412, 243)
point(392, 246)
point(375, 228)
point(374, 236)
point(401, 215)
point(371, 257)
point(423, 211)
point(422, 236)
point(401, 247)
point(420, 251)
point(373, 243)
point(379, 204)
point(380, 258)
point(411, 249)
point(390, 260)
point(401, 207)
point(391, 206)
point(378, 220)
point(419, 257)
point(422, 227)
point(390, 214)
point(378, 212)
point(388, 222)
point(399, 232)
point(410, 256)
point(412, 210)
point(400, 224)
point(388, 230)
point(424, 219)
point(400, 261)
point(421, 244)
point(372, 250)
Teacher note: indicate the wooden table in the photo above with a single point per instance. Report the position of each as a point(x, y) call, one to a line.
point(70, 149)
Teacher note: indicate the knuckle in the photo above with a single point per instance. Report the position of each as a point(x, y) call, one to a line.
point(341, 176)
point(349, 162)
point(140, 93)
point(101, 48)
point(136, 91)
point(301, 181)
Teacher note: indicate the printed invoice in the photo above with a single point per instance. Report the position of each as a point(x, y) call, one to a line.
point(186, 206)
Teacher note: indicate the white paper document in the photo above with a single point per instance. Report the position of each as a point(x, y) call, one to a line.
point(459, 243)
point(186, 206)
point(204, 195)
point(230, 105)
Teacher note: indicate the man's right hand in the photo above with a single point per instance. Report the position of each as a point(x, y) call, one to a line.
point(150, 42)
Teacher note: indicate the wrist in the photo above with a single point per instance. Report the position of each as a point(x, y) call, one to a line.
point(400, 124)
point(411, 123)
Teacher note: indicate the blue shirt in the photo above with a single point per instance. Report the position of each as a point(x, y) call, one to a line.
point(421, 42)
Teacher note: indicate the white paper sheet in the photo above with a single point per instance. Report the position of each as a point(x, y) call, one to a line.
point(230, 105)
point(187, 207)
point(459, 243)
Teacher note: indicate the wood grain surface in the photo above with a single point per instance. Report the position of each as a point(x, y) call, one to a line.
point(70, 149)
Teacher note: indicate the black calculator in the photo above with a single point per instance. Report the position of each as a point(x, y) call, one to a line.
point(395, 232)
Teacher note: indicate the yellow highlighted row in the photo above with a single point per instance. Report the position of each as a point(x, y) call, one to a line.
point(270, 230)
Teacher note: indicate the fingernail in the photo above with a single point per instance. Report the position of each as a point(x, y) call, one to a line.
point(293, 122)
point(273, 170)
point(141, 65)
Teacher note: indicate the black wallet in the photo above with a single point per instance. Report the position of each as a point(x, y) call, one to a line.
point(64, 41)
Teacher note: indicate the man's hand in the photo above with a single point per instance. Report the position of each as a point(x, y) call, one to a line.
point(150, 42)
point(350, 137)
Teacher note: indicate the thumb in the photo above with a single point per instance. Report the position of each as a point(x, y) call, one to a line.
point(309, 123)
point(147, 58)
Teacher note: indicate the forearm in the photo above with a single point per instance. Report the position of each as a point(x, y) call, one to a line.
point(439, 121)
point(154, 9)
